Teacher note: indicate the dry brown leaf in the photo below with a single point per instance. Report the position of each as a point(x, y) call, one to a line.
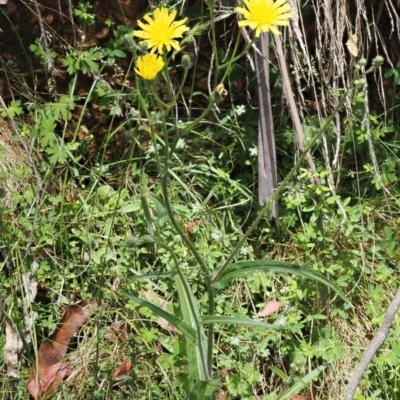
point(50, 370)
point(271, 307)
point(117, 333)
point(150, 295)
point(123, 369)
point(352, 45)
point(102, 33)
point(10, 7)
point(223, 395)
point(192, 224)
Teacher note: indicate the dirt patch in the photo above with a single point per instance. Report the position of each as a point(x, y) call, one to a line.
point(22, 22)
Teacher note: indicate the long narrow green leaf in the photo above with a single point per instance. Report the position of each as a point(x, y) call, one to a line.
point(245, 268)
point(150, 277)
point(221, 319)
point(195, 352)
point(147, 215)
point(302, 382)
point(182, 326)
point(203, 390)
point(279, 372)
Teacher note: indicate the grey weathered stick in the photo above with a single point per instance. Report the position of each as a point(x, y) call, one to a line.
point(374, 346)
point(267, 173)
point(300, 139)
point(292, 105)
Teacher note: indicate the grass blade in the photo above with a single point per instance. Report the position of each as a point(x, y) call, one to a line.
point(195, 352)
point(303, 382)
point(218, 319)
point(203, 390)
point(245, 268)
point(182, 326)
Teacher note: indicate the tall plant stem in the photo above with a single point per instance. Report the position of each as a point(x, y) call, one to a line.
point(153, 136)
point(185, 238)
point(192, 248)
point(207, 369)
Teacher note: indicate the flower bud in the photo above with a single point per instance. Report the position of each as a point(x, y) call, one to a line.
point(129, 40)
point(143, 47)
point(377, 61)
point(362, 62)
point(360, 82)
point(186, 62)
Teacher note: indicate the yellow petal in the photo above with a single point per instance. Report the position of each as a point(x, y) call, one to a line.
point(161, 31)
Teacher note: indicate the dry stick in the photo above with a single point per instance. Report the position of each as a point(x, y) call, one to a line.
point(267, 171)
point(300, 138)
point(49, 64)
point(292, 106)
point(374, 346)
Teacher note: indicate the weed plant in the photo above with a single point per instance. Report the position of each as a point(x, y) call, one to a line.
point(172, 212)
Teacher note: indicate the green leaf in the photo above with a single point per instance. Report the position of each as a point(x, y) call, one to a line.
point(279, 372)
point(15, 108)
point(118, 53)
point(71, 64)
point(196, 352)
point(302, 382)
point(63, 107)
point(243, 269)
point(182, 326)
point(91, 65)
point(220, 319)
point(150, 277)
point(57, 155)
point(105, 192)
point(203, 390)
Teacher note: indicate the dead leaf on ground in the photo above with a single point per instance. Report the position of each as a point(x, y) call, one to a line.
point(271, 307)
point(192, 224)
point(123, 369)
point(223, 395)
point(150, 295)
point(117, 333)
point(50, 370)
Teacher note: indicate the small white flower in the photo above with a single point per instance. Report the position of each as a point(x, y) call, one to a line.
point(134, 113)
point(244, 251)
point(116, 110)
point(150, 150)
point(253, 152)
point(180, 144)
point(281, 320)
point(239, 110)
point(235, 341)
point(216, 235)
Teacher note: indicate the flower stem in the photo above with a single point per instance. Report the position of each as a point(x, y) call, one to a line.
point(153, 136)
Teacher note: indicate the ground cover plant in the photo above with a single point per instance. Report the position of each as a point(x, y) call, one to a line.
point(138, 260)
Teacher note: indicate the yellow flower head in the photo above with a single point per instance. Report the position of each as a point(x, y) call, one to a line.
point(162, 30)
point(261, 15)
point(149, 65)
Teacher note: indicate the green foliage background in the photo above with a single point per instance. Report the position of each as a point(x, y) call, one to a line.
point(98, 225)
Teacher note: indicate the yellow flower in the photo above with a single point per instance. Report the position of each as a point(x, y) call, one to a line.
point(149, 65)
point(261, 15)
point(162, 30)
